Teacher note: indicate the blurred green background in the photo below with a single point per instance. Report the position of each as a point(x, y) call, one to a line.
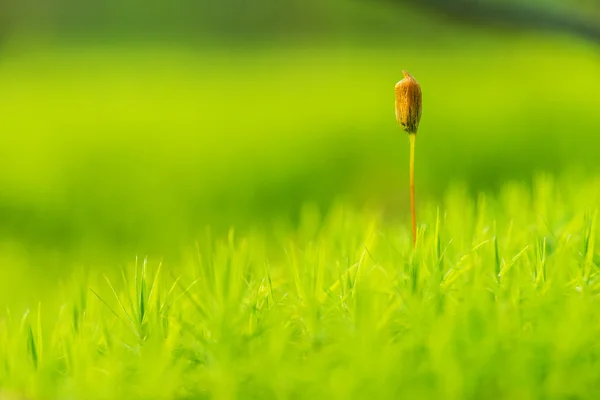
point(127, 128)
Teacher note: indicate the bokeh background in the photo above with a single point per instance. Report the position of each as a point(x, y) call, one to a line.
point(129, 127)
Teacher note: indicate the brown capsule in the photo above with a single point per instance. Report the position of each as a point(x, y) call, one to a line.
point(408, 103)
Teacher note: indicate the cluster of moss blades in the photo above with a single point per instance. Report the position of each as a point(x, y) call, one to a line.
point(499, 300)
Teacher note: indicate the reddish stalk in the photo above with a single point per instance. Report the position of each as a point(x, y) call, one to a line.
point(413, 212)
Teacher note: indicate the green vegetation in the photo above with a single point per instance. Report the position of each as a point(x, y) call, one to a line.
point(500, 299)
point(264, 190)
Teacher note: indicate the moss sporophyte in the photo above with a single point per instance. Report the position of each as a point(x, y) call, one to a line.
point(408, 114)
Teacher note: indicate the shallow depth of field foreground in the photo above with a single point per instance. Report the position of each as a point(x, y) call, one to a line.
point(500, 299)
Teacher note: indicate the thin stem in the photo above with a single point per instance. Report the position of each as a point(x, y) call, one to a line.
point(412, 138)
